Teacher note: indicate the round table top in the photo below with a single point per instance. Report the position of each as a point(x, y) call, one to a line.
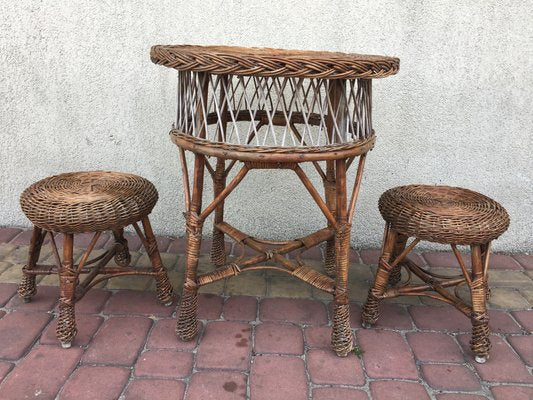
point(222, 60)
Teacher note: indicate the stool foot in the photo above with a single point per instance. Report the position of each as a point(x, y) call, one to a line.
point(366, 325)
point(370, 313)
point(123, 258)
point(481, 360)
point(66, 345)
point(66, 325)
point(27, 288)
point(341, 335)
point(187, 325)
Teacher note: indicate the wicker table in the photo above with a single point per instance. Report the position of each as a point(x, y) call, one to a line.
point(272, 109)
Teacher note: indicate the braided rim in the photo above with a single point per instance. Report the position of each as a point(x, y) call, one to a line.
point(223, 60)
point(254, 153)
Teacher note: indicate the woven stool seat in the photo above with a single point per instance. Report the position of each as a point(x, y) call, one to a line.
point(443, 214)
point(88, 201)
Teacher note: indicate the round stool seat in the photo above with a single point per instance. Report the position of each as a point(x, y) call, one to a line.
point(88, 201)
point(443, 214)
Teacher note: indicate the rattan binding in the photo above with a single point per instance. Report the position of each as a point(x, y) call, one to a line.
point(443, 214)
point(88, 201)
point(222, 60)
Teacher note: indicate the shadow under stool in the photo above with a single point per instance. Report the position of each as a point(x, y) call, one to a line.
point(81, 202)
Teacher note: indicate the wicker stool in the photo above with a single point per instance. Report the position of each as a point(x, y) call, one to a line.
point(446, 215)
point(272, 109)
point(80, 202)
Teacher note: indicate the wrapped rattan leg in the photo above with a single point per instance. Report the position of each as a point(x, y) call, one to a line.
point(187, 325)
point(330, 258)
point(396, 273)
point(341, 336)
point(370, 312)
point(480, 342)
point(66, 324)
point(218, 249)
point(122, 256)
point(165, 293)
point(27, 287)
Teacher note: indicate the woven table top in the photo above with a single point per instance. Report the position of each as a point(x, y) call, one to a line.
point(223, 60)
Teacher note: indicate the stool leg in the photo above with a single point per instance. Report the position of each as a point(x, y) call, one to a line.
point(341, 336)
point(187, 325)
point(66, 324)
point(165, 293)
point(122, 256)
point(480, 342)
point(396, 273)
point(330, 195)
point(218, 248)
point(27, 287)
point(370, 312)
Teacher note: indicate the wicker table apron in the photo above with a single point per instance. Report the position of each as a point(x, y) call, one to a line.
point(272, 109)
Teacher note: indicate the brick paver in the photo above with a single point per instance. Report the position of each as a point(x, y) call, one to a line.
point(386, 354)
point(434, 346)
point(225, 345)
point(450, 377)
point(7, 234)
point(332, 393)
point(278, 377)
point(41, 374)
point(148, 389)
point(95, 383)
point(325, 367)
point(395, 390)
point(18, 331)
point(278, 338)
point(217, 385)
point(308, 312)
point(259, 347)
point(118, 341)
point(164, 364)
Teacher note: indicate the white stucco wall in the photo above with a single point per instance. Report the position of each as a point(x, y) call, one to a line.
point(78, 91)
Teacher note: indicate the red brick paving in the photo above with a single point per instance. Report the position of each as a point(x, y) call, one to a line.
point(434, 346)
point(7, 234)
point(278, 377)
point(512, 392)
point(278, 338)
point(95, 383)
point(41, 373)
point(217, 385)
point(234, 354)
point(309, 312)
point(503, 365)
point(523, 345)
point(386, 354)
point(395, 390)
point(163, 364)
point(240, 308)
point(151, 389)
point(332, 393)
point(450, 377)
point(525, 260)
point(127, 344)
point(118, 341)
point(326, 368)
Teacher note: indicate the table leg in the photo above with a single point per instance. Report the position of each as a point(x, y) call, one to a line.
point(187, 325)
point(341, 336)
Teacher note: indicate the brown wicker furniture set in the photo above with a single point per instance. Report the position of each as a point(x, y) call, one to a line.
point(267, 109)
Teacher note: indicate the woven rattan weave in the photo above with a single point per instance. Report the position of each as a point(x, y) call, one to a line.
point(272, 109)
point(93, 201)
point(447, 215)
